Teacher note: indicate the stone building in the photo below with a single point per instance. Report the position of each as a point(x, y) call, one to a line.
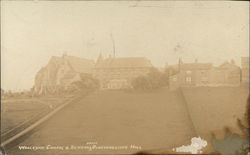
point(203, 74)
point(60, 72)
point(117, 73)
point(245, 69)
point(227, 74)
point(189, 74)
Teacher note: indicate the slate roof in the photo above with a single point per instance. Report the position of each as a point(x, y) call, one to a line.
point(129, 62)
point(227, 65)
point(76, 63)
point(194, 66)
point(80, 64)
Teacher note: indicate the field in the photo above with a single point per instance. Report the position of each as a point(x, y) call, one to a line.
point(156, 121)
point(150, 120)
point(16, 111)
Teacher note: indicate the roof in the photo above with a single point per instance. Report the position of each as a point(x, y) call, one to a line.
point(227, 65)
point(175, 67)
point(245, 58)
point(56, 60)
point(192, 66)
point(129, 62)
point(80, 64)
point(77, 64)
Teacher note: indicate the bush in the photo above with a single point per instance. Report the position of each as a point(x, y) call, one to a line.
point(86, 83)
point(153, 80)
point(141, 82)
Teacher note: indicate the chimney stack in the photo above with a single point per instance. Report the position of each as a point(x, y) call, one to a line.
point(196, 60)
point(232, 61)
point(179, 64)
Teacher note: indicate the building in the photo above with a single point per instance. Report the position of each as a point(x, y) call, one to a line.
point(60, 72)
point(245, 69)
point(117, 73)
point(203, 74)
point(189, 74)
point(227, 74)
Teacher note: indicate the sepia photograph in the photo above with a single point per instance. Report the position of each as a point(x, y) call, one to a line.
point(129, 77)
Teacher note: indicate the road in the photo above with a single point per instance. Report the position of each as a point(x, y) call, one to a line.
point(129, 122)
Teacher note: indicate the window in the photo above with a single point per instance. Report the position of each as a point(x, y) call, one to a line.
point(188, 72)
point(188, 79)
point(204, 78)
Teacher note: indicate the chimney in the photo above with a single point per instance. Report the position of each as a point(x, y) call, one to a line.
point(113, 43)
point(100, 58)
point(232, 61)
point(64, 57)
point(179, 64)
point(64, 54)
point(180, 61)
point(166, 65)
point(196, 60)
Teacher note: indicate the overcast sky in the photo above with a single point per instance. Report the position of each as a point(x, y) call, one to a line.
point(33, 31)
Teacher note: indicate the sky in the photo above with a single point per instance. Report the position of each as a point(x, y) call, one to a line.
point(162, 31)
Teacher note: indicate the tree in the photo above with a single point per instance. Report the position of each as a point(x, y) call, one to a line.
point(87, 82)
point(140, 82)
point(153, 80)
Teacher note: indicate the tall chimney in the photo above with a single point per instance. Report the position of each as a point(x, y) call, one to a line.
point(179, 64)
point(113, 42)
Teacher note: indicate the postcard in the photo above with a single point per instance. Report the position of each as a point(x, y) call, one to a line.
point(124, 77)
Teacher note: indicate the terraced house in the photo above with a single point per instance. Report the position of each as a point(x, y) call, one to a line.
point(204, 74)
point(118, 72)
